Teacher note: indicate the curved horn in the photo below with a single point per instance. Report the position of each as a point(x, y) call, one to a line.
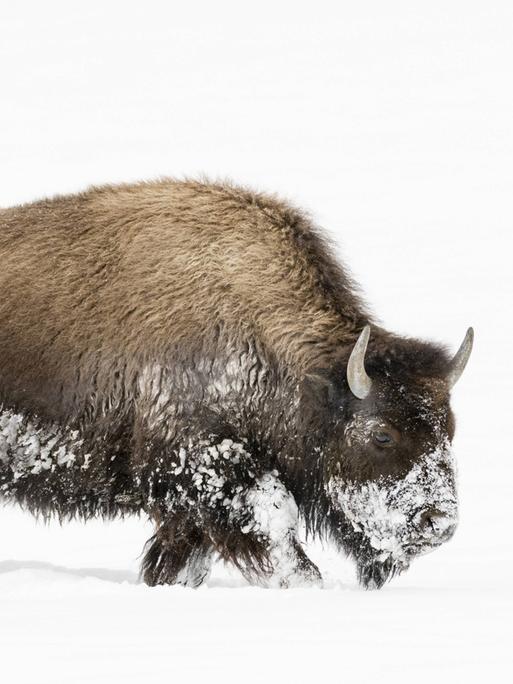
point(460, 359)
point(359, 382)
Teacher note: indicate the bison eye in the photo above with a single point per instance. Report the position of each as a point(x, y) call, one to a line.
point(383, 438)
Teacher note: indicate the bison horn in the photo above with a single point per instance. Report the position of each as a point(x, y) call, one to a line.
point(460, 359)
point(359, 382)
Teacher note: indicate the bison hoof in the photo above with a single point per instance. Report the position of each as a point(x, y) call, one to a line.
point(189, 576)
point(298, 580)
point(300, 573)
point(185, 580)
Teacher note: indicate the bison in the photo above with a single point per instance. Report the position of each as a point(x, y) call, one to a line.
point(194, 352)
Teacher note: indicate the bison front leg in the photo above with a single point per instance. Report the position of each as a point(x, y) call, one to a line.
point(210, 497)
point(265, 522)
point(178, 553)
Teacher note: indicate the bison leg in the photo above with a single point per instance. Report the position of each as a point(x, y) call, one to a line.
point(178, 553)
point(212, 498)
point(265, 518)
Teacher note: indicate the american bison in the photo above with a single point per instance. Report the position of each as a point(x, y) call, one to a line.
point(195, 352)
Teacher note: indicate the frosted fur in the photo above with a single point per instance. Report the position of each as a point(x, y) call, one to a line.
point(388, 512)
point(29, 449)
point(358, 430)
point(202, 464)
point(274, 516)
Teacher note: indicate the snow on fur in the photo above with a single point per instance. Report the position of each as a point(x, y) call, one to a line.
point(388, 512)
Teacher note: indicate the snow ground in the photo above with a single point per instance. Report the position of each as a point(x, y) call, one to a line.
point(391, 122)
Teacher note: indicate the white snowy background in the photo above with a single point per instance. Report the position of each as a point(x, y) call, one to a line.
point(392, 123)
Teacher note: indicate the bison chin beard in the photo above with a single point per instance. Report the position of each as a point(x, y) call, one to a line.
point(373, 574)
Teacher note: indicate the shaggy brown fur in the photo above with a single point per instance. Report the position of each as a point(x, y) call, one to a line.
point(93, 282)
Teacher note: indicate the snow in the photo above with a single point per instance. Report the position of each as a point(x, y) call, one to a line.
point(391, 123)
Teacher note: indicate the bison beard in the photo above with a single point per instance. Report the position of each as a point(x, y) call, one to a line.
point(193, 351)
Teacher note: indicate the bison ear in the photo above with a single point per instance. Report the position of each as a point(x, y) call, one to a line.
point(320, 388)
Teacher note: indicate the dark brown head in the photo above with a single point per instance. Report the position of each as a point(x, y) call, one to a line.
point(394, 482)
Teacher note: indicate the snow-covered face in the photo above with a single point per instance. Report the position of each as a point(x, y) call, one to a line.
point(395, 482)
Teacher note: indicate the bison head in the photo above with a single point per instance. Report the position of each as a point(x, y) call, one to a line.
point(392, 486)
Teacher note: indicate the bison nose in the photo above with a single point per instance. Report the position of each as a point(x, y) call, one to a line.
point(434, 521)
